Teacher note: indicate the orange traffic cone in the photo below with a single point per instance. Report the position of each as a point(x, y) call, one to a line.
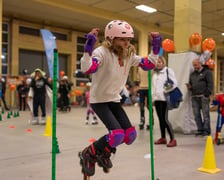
point(29, 130)
point(12, 127)
point(209, 164)
point(48, 128)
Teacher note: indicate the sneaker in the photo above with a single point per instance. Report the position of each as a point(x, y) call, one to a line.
point(161, 141)
point(94, 122)
point(69, 108)
point(199, 133)
point(43, 121)
point(172, 143)
point(148, 127)
point(142, 123)
point(206, 133)
point(86, 122)
point(34, 121)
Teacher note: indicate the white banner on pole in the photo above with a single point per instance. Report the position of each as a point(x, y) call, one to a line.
point(182, 118)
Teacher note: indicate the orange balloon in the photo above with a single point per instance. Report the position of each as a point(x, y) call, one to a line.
point(62, 73)
point(208, 44)
point(72, 94)
point(195, 39)
point(78, 92)
point(210, 63)
point(12, 87)
point(168, 45)
point(81, 84)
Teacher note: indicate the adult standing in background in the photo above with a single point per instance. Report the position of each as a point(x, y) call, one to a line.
point(38, 83)
point(22, 90)
point(159, 79)
point(2, 90)
point(201, 85)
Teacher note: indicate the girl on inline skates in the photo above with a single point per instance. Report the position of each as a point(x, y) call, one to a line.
point(109, 65)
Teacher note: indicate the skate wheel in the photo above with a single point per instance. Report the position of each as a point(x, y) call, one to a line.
point(86, 177)
point(106, 170)
point(218, 141)
point(99, 164)
point(81, 161)
point(79, 155)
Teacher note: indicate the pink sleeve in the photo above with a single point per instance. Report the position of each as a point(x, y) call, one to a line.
point(93, 68)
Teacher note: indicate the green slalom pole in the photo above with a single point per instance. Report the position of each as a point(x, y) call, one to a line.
point(150, 123)
point(54, 139)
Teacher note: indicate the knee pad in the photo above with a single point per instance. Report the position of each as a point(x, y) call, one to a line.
point(115, 137)
point(130, 135)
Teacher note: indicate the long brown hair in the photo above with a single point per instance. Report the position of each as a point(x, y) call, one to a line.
point(119, 52)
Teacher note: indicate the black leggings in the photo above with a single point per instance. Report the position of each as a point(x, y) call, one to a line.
point(39, 100)
point(113, 116)
point(162, 113)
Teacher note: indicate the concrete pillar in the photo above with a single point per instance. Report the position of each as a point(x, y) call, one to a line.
point(187, 20)
point(215, 72)
point(143, 49)
point(15, 49)
point(143, 43)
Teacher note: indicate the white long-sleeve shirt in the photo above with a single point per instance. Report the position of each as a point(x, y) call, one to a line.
point(158, 80)
point(110, 78)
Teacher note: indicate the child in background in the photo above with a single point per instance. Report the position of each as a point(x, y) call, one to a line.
point(219, 101)
point(89, 109)
point(63, 91)
point(22, 90)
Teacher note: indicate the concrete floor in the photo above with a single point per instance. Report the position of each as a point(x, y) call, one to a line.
point(27, 155)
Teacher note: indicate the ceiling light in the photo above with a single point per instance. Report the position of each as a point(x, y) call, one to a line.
point(145, 8)
point(222, 34)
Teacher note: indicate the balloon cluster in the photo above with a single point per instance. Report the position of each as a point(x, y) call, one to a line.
point(208, 45)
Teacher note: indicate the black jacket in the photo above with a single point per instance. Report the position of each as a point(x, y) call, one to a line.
point(201, 82)
point(39, 86)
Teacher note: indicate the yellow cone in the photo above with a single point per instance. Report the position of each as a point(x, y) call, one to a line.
point(209, 164)
point(48, 128)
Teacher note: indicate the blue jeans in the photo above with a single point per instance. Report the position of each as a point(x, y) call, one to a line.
point(200, 107)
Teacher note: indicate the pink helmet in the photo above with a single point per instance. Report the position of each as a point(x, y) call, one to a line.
point(118, 28)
